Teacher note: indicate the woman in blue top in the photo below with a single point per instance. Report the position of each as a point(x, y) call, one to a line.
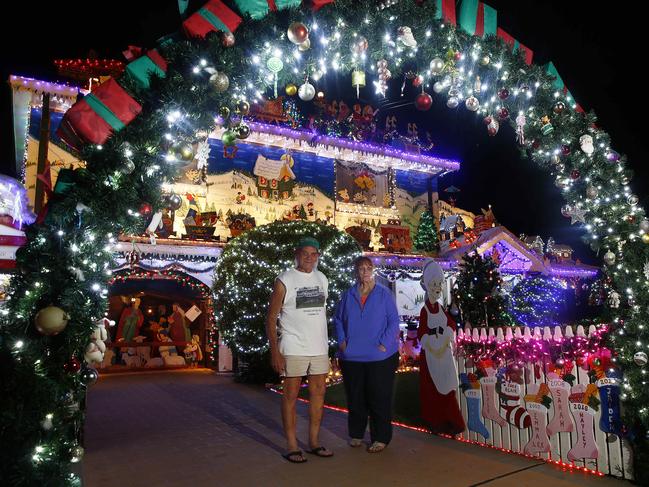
point(367, 324)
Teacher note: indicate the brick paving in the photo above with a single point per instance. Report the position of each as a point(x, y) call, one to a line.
point(195, 428)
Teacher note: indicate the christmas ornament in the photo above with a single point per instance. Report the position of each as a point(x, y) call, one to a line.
point(128, 167)
point(320, 95)
point(536, 144)
point(275, 65)
point(477, 86)
point(72, 366)
point(640, 358)
point(242, 107)
point(612, 156)
point(503, 93)
point(472, 104)
point(624, 180)
point(227, 39)
point(613, 300)
point(358, 80)
point(187, 153)
point(243, 131)
point(359, 45)
point(384, 75)
point(417, 81)
point(76, 454)
point(609, 258)
point(47, 424)
point(145, 209)
point(305, 46)
point(492, 126)
point(437, 66)
point(577, 215)
point(423, 102)
point(632, 200)
point(565, 150)
point(484, 60)
point(592, 192)
point(291, 89)
point(297, 33)
point(452, 102)
point(88, 376)
point(306, 91)
point(559, 107)
point(405, 37)
point(645, 270)
point(503, 113)
point(228, 138)
point(644, 225)
point(224, 113)
point(219, 82)
point(457, 55)
point(546, 126)
point(586, 144)
point(438, 87)
point(51, 320)
point(520, 129)
point(575, 174)
point(566, 210)
point(645, 238)
point(174, 202)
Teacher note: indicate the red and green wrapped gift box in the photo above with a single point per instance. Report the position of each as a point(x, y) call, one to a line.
point(213, 17)
point(258, 9)
point(143, 67)
point(477, 18)
point(94, 118)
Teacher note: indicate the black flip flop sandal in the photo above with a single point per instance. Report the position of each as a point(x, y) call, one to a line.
point(289, 456)
point(320, 452)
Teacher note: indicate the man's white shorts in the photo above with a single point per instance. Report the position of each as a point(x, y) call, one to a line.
point(299, 366)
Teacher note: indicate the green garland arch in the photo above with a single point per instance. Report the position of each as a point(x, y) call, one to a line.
point(66, 260)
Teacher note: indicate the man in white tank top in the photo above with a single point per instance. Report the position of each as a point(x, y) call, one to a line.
point(299, 342)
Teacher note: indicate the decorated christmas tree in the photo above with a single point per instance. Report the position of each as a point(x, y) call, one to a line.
point(426, 238)
point(479, 293)
point(537, 301)
point(246, 271)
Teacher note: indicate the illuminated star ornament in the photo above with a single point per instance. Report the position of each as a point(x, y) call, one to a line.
point(577, 215)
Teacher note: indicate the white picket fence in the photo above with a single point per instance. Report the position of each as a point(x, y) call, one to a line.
point(615, 457)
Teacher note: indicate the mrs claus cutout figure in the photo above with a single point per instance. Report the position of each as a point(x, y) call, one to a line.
point(438, 378)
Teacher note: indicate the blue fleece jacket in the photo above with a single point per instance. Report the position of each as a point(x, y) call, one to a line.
point(365, 328)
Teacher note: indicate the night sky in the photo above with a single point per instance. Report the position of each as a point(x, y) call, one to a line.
point(597, 51)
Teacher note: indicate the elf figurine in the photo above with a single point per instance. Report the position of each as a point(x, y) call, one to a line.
point(438, 371)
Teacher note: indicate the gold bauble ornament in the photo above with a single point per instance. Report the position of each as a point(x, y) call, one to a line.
point(291, 89)
point(243, 107)
point(51, 320)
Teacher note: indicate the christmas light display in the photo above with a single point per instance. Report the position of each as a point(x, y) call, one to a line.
point(66, 262)
point(537, 301)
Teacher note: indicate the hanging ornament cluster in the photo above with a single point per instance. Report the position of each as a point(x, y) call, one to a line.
point(384, 76)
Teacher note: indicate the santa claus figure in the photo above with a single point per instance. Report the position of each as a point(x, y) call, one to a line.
point(438, 371)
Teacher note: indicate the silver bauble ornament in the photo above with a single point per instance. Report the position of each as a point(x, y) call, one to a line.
point(51, 320)
point(438, 87)
point(437, 66)
point(306, 92)
point(592, 192)
point(632, 200)
point(640, 358)
point(128, 167)
point(76, 454)
point(644, 225)
point(88, 376)
point(609, 258)
point(305, 46)
point(484, 60)
point(174, 202)
point(452, 102)
point(566, 210)
point(472, 104)
point(242, 131)
point(220, 82)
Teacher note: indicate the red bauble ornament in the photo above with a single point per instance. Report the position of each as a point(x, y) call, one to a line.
point(536, 144)
point(227, 39)
point(503, 93)
point(423, 102)
point(575, 174)
point(72, 366)
point(297, 33)
point(487, 120)
point(145, 209)
point(458, 55)
point(503, 113)
point(565, 150)
point(417, 81)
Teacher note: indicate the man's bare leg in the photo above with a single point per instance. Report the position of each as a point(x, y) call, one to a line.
point(291, 389)
point(316, 403)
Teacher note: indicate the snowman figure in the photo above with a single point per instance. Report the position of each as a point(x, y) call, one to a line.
point(438, 372)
